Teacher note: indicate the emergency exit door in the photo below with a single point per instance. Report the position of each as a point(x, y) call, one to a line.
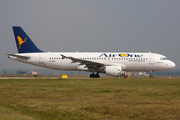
point(41, 59)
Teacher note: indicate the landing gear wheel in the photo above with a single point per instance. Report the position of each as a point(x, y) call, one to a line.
point(97, 76)
point(94, 75)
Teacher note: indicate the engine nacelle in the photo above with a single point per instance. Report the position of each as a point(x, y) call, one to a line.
point(113, 71)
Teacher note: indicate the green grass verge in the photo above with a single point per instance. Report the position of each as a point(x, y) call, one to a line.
point(105, 98)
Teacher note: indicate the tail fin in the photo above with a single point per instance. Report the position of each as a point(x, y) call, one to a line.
point(23, 42)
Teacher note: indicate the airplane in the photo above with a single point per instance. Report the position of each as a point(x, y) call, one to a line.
point(111, 63)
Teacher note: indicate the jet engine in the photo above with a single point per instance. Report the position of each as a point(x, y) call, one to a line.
point(114, 71)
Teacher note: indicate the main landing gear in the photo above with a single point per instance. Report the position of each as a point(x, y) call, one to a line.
point(151, 76)
point(94, 75)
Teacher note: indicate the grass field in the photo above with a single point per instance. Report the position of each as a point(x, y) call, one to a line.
point(80, 98)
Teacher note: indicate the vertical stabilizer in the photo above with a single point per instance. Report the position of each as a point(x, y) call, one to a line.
point(23, 42)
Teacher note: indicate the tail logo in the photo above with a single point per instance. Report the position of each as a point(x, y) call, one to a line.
point(20, 40)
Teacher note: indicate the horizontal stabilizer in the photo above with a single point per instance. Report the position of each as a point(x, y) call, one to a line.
point(19, 56)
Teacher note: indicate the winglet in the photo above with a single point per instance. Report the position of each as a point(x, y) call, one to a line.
point(23, 42)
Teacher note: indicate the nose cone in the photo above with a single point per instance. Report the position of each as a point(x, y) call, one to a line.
point(169, 65)
point(172, 64)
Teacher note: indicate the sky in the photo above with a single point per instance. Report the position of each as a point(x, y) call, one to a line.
point(92, 26)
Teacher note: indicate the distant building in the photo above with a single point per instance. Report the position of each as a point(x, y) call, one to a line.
point(20, 72)
point(5, 72)
point(129, 73)
point(35, 72)
point(142, 74)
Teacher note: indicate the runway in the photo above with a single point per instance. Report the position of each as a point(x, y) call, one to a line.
point(31, 77)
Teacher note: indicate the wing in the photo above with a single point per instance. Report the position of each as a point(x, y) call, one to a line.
point(19, 56)
point(91, 65)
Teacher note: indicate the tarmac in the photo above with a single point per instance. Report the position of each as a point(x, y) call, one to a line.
point(30, 77)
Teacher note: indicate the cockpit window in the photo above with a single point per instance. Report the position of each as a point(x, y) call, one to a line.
point(163, 58)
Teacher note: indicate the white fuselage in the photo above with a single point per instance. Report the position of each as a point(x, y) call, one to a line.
point(128, 61)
